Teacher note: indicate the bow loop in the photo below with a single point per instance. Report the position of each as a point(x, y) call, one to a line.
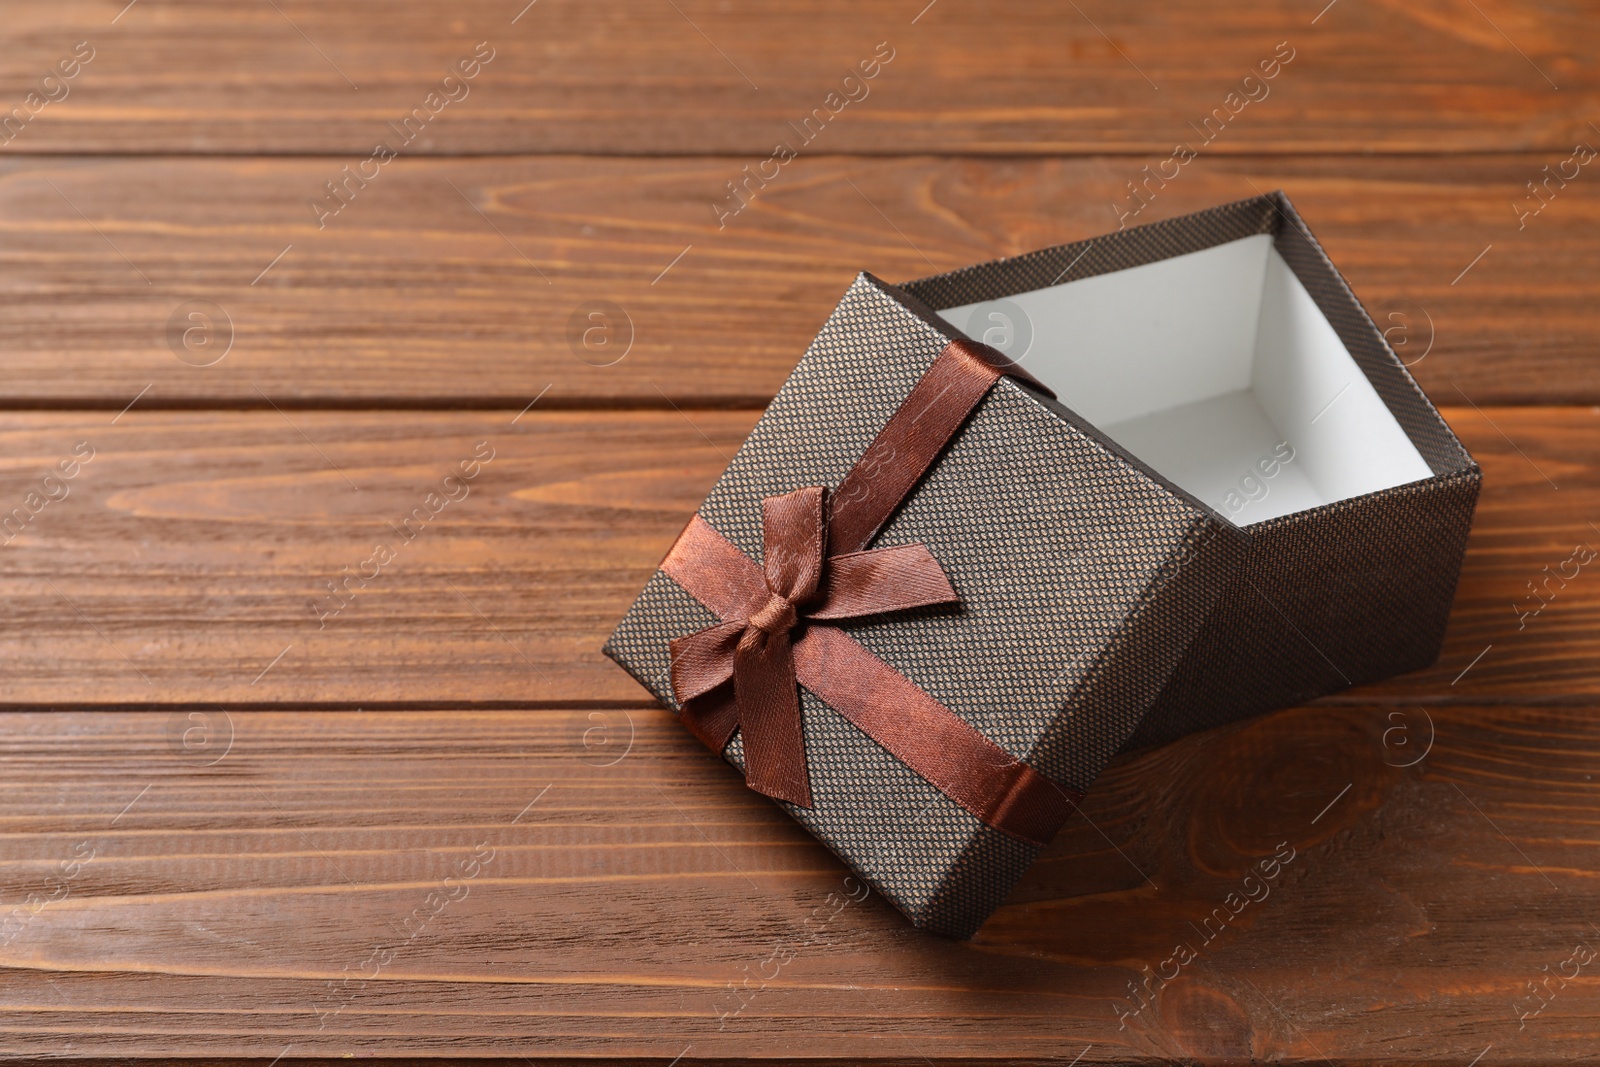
point(792, 539)
point(754, 644)
point(859, 584)
point(703, 660)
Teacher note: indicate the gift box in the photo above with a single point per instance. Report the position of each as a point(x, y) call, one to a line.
point(1003, 523)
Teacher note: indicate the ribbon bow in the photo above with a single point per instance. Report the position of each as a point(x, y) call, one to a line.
point(754, 645)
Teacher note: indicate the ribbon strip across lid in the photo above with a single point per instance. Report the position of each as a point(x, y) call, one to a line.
point(775, 629)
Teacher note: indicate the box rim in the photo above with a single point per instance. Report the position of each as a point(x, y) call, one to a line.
point(1007, 276)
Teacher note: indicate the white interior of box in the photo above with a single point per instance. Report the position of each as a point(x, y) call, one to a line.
point(1218, 370)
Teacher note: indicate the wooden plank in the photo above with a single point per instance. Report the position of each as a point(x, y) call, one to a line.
point(309, 888)
point(469, 283)
point(697, 76)
point(241, 523)
point(189, 560)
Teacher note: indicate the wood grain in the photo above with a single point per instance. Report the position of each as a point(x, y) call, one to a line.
point(224, 901)
point(190, 561)
point(458, 283)
point(239, 523)
point(237, 825)
point(702, 77)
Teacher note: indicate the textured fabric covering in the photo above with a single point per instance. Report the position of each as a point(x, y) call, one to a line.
point(1081, 578)
point(1351, 592)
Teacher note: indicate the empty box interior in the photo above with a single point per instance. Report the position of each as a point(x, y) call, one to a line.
point(1216, 369)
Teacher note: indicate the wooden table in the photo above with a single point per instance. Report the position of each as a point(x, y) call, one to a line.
point(243, 820)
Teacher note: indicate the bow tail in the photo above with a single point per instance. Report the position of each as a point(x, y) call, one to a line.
point(769, 718)
point(711, 717)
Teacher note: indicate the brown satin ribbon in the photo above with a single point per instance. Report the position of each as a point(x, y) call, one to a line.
point(774, 630)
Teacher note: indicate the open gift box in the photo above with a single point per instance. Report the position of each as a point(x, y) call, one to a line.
point(928, 599)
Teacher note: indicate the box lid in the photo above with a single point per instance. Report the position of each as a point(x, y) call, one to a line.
point(1081, 575)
